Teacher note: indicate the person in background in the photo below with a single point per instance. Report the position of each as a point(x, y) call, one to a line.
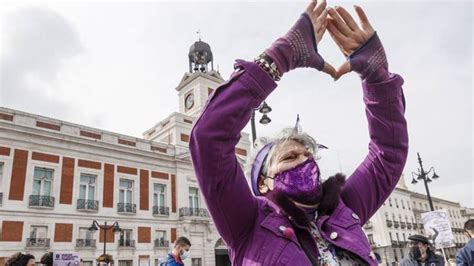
point(179, 253)
point(421, 253)
point(21, 259)
point(465, 255)
point(47, 259)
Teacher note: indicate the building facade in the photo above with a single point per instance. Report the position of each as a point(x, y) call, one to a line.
point(400, 217)
point(57, 177)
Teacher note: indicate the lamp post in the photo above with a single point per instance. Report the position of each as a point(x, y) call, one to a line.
point(264, 108)
point(96, 226)
point(423, 175)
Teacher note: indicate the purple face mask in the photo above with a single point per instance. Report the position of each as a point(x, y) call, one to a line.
point(301, 183)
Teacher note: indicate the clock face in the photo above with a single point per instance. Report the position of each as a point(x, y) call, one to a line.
point(189, 101)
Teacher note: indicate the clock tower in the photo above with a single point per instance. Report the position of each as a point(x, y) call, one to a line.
point(201, 80)
point(194, 88)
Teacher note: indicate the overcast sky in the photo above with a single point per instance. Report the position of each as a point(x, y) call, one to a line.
point(114, 66)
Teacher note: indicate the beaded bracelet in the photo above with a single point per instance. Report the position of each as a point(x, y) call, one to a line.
point(267, 64)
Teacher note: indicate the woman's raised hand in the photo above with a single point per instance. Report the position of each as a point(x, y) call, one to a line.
point(361, 45)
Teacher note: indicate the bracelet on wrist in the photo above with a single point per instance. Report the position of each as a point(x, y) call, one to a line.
point(267, 64)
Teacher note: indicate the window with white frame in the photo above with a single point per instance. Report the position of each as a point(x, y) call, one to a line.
point(126, 191)
point(86, 238)
point(38, 232)
point(196, 262)
point(42, 181)
point(125, 263)
point(1, 173)
point(85, 233)
point(193, 198)
point(1, 180)
point(87, 186)
point(371, 239)
point(159, 195)
point(160, 238)
point(126, 238)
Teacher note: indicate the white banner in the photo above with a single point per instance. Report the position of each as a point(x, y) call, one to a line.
point(438, 220)
point(66, 259)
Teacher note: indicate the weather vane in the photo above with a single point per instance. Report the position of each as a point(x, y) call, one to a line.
point(198, 32)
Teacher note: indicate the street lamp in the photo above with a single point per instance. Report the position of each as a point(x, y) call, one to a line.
point(423, 175)
point(96, 226)
point(264, 108)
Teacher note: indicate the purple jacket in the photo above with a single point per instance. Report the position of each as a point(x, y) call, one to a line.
point(250, 225)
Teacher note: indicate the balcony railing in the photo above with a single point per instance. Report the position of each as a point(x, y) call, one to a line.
point(409, 225)
point(126, 243)
point(394, 243)
point(87, 205)
point(193, 212)
point(126, 207)
point(1, 198)
point(161, 210)
point(37, 242)
point(41, 201)
point(85, 243)
point(403, 225)
point(396, 224)
point(161, 243)
point(421, 226)
point(415, 226)
point(368, 225)
point(389, 223)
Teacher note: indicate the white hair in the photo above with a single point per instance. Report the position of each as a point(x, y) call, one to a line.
point(287, 134)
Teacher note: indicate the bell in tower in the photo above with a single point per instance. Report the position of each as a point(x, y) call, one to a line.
point(200, 55)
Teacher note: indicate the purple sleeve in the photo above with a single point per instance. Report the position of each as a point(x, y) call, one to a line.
point(376, 177)
point(213, 139)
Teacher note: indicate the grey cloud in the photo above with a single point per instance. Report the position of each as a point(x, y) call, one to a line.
point(37, 42)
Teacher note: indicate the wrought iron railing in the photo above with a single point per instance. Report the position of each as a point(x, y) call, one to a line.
point(126, 243)
point(409, 225)
point(126, 207)
point(87, 205)
point(37, 242)
point(41, 201)
point(194, 212)
point(368, 225)
point(1, 198)
point(396, 224)
point(161, 243)
point(403, 225)
point(85, 243)
point(415, 226)
point(389, 223)
point(161, 210)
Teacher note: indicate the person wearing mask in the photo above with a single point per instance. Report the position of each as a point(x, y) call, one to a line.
point(179, 253)
point(21, 259)
point(293, 216)
point(465, 255)
point(420, 253)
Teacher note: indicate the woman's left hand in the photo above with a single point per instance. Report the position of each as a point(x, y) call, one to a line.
point(347, 34)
